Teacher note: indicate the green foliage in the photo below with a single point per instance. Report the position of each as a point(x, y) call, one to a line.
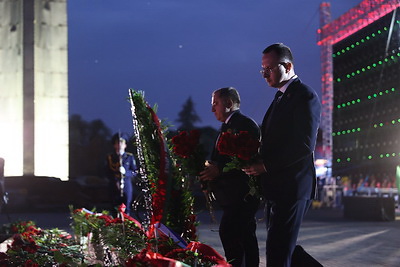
point(124, 237)
point(188, 116)
point(89, 142)
point(149, 139)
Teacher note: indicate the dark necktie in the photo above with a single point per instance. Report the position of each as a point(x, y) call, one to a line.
point(277, 98)
point(224, 127)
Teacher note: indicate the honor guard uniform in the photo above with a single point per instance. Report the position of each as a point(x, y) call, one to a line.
point(121, 169)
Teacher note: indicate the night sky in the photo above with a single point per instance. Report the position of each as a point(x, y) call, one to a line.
point(176, 49)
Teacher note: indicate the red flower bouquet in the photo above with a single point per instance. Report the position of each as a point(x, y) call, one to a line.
point(241, 147)
point(190, 152)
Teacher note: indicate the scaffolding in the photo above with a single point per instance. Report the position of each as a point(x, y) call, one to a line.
point(354, 20)
point(327, 90)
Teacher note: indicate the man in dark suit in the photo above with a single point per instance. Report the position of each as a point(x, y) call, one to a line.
point(237, 229)
point(289, 132)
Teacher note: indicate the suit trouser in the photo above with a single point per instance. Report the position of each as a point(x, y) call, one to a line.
point(283, 225)
point(237, 231)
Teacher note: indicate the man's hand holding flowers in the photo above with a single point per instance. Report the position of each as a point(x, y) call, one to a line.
point(243, 149)
point(255, 168)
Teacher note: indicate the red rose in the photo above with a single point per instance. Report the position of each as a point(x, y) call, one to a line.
point(247, 146)
point(227, 144)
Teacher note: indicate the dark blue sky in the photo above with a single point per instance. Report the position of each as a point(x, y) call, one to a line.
point(175, 49)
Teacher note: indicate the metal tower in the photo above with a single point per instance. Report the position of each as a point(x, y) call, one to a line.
point(327, 89)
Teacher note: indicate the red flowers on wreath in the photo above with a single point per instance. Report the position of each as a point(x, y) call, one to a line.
point(191, 156)
point(242, 147)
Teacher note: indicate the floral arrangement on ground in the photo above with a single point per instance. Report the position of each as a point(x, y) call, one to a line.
point(101, 240)
point(33, 246)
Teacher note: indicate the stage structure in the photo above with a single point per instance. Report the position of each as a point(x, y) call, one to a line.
point(34, 87)
point(363, 89)
point(327, 93)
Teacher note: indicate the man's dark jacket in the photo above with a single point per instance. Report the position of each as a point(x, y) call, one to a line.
point(232, 186)
point(288, 143)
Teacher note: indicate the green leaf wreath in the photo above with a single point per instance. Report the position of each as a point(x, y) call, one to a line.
point(172, 201)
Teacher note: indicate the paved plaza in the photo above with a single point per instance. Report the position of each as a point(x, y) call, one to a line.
point(329, 237)
point(333, 240)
